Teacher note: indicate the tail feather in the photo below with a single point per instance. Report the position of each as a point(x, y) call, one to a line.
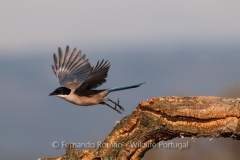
point(124, 87)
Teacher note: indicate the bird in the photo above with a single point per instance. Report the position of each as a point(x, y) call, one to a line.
point(78, 80)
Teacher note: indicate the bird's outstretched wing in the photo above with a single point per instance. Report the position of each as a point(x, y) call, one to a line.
point(72, 69)
point(96, 78)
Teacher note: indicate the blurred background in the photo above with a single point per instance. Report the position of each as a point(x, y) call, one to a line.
point(183, 48)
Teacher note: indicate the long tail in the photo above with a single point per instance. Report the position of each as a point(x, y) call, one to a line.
point(124, 87)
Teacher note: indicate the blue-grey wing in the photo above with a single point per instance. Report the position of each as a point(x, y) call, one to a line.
point(71, 69)
point(96, 78)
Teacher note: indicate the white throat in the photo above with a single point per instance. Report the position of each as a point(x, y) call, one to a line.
point(62, 96)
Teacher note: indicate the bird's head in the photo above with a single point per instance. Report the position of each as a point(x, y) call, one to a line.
point(61, 92)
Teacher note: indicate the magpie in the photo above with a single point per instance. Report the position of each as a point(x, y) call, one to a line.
point(78, 80)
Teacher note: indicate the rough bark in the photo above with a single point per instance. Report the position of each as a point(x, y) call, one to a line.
point(165, 118)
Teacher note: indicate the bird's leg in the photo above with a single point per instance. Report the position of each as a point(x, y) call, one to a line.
point(111, 107)
point(116, 104)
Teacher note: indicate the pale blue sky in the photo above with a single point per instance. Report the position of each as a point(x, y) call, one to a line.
point(40, 24)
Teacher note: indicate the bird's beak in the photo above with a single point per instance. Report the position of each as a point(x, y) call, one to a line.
point(52, 94)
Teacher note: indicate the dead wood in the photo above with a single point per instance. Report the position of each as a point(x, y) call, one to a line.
point(161, 119)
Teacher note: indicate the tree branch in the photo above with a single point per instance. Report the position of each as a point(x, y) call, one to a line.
point(165, 118)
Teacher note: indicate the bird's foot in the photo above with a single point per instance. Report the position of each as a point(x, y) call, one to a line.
point(114, 108)
point(118, 104)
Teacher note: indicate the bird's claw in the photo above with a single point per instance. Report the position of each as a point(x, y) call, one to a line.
point(118, 104)
point(117, 110)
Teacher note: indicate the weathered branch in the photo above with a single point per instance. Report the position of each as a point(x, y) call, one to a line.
point(165, 118)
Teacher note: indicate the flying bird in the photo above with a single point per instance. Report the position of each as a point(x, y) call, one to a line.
point(78, 80)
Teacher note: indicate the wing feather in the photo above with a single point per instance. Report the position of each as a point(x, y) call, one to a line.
point(55, 61)
point(78, 63)
point(75, 61)
point(60, 58)
point(65, 58)
point(96, 78)
point(81, 61)
point(98, 65)
point(71, 70)
point(71, 58)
